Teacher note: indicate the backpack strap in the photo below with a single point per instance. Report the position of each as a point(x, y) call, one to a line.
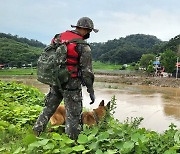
point(78, 41)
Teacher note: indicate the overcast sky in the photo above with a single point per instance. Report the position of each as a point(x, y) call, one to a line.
point(41, 19)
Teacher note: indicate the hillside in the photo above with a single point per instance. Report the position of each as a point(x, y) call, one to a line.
point(15, 53)
point(32, 42)
point(126, 50)
point(173, 44)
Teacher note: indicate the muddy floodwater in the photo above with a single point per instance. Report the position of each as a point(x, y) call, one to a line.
point(158, 106)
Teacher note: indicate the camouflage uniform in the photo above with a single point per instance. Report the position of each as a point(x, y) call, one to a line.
point(72, 95)
point(72, 91)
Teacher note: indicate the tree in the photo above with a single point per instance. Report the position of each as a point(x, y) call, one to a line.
point(126, 50)
point(150, 68)
point(172, 44)
point(146, 59)
point(168, 60)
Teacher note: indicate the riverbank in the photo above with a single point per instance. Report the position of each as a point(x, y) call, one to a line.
point(139, 80)
point(115, 78)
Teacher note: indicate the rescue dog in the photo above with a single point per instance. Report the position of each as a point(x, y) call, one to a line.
point(89, 118)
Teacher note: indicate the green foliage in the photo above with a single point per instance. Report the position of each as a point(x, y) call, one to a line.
point(168, 60)
point(19, 104)
point(125, 50)
point(150, 68)
point(173, 44)
point(34, 43)
point(18, 71)
point(108, 137)
point(105, 66)
point(13, 53)
point(146, 60)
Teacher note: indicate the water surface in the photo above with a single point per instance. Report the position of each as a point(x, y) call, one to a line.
point(158, 106)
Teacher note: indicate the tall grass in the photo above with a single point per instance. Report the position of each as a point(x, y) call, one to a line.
point(18, 71)
point(96, 67)
point(105, 66)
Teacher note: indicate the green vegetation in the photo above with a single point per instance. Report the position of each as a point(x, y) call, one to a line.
point(32, 42)
point(173, 44)
point(96, 66)
point(146, 59)
point(20, 105)
point(16, 51)
point(16, 54)
point(18, 71)
point(168, 60)
point(126, 50)
point(104, 66)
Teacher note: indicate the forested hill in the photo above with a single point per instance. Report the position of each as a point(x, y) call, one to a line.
point(32, 42)
point(173, 44)
point(14, 53)
point(126, 50)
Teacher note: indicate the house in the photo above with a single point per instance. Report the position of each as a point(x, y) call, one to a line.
point(1, 66)
point(178, 64)
point(158, 68)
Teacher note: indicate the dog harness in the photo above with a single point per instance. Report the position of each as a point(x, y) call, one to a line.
point(95, 117)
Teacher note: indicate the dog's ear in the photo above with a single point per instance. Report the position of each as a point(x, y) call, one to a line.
point(102, 103)
point(108, 104)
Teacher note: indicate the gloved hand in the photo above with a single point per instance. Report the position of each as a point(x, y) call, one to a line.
point(92, 96)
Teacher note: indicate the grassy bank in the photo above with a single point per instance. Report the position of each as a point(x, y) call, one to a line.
point(20, 105)
point(18, 71)
point(105, 66)
point(97, 66)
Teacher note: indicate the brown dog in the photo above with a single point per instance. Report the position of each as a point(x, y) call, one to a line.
point(89, 118)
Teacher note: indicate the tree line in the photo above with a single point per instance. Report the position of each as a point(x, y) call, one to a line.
point(16, 51)
point(17, 54)
point(31, 42)
point(126, 50)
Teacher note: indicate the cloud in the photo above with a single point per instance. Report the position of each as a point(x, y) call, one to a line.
point(43, 18)
point(160, 23)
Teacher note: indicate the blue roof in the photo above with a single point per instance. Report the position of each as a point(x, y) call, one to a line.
point(156, 62)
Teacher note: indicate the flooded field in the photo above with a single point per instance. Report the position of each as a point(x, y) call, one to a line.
point(158, 106)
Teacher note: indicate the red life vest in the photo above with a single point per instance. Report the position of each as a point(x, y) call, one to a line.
point(72, 55)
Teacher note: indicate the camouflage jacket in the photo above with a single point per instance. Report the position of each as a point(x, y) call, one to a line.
point(85, 65)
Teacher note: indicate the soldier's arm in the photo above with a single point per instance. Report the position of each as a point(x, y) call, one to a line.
point(86, 67)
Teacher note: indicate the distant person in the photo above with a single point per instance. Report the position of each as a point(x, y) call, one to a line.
point(79, 61)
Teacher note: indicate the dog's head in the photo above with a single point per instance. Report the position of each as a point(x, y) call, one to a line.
point(102, 109)
point(101, 104)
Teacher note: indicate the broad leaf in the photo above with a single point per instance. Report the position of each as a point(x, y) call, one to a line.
point(78, 148)
point(82, 139)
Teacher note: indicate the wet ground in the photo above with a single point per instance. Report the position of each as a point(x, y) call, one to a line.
point(159, 106)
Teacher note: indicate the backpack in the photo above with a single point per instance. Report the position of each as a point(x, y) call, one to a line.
point(51, 65)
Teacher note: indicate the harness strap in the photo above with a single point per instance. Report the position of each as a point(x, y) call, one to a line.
point(95, 116)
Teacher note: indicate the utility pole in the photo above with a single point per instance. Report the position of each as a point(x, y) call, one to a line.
point(31, 69)
point(177, 67)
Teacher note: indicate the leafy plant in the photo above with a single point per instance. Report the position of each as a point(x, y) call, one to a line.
point(20, 105)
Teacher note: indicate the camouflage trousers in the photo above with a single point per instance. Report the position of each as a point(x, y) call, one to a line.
point(72, 95)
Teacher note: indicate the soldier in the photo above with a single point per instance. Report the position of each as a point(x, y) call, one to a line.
point(79, 61)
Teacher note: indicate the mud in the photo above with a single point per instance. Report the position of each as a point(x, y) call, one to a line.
point(140, 80)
